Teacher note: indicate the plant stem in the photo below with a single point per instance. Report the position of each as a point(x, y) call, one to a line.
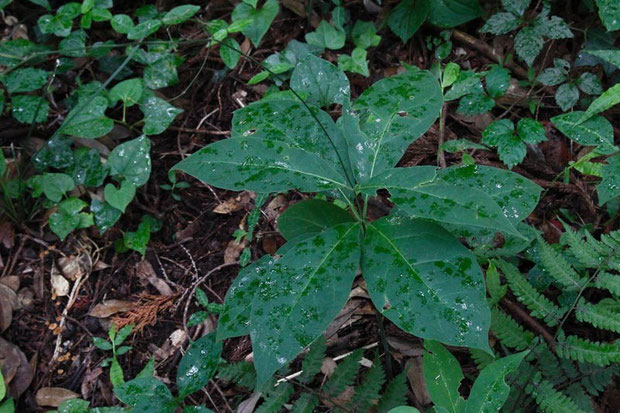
point(386, 347)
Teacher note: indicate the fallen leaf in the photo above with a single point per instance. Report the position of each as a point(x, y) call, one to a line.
point(54, 396)
point(89, 382)
point(11, 281)
point(70, 267)
point(233, 250)
point(7, 235)
point(15, 368)
point(145, 270)
point(413, 367)
point(236, 203)
point(111, 307)
point(248, 405)
point(8, 303)
point(60, 285)
point(328, 366)
point(275, 207)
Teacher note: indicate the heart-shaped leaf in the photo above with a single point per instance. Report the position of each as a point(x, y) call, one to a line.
point(121, 197)
point(158, 115)
point(87, 119)
point(198, 365)
point(131, 160)
point(260, 18)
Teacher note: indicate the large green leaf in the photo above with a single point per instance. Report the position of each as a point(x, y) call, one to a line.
point(310, 217)
point(490, 389)
point(158, 115)
point(609, 11)
point(451, 13)
point(198, 365)
point(406, 18)
point(610, 56)
point(596, 131)
point(443, 376)
point(393, 113)
point(609, 187)
point(261, 18)
point(25, 80)
point(131, 160)
point(29, 109)
point(261, 165)
point(87, 119)
point(418, 193)
point(427, 283)
point(300, 295)
point(146, 394)
point(292, 122)
point(608, 98)
point(323, 82)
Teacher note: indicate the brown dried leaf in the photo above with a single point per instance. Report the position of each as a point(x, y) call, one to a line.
point(413, 367)
point(11, 281)
point(15, 368)
point(275, 207)
point(54, 396)
point(145, 270)
point(8, 303)
point(236, 203)
point(70, 267)
point(7, 235)
point(89, 382)
point(233, 250)
point(60, 285)
point(111, 307)
point(328, 366)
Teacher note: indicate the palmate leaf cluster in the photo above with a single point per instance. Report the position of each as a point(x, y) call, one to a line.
point(586, 272)
point(417, 272)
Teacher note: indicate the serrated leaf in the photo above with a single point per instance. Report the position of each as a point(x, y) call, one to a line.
point(517, 7)
point(406, 18)
point(439, 291)
point(566, 96)
point(162, 72)
point(158, 115)
point(198, 365)
point(310, 217)
point(490, 389)
point(497, 81)
point(74, 45)
point(595, 131)
point(321, 81)
point(589, 83)
point(392, 114)
point(129, 91)
point(87, 119)
point(261, 18)
point(443, 376)
point(300, 295)
point(146, 394)
point(451, 13)
point(475, 104)
point(501, 23)
point(528, 44)
point(179, 14)
point(131, 160)
point(531, 131)
point(552, 76)
point(25, 80)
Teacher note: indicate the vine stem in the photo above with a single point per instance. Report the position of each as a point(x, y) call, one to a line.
point(386, 347)
point(441, 156)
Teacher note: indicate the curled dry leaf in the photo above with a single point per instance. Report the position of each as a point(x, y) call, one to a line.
point(60, 285)
point(7, 235)
point(70, 267)
point(8, 303)
point(145, 270)
point(15, 368)
point(89, 382)
point(413, 367)
point(233, 250)
point(111, 307)
point(54, 396)
point(328, 366)
point(11, 281)
point(236, 203)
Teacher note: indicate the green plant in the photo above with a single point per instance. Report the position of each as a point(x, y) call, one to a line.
point(6, 406)
point(200, 316)
point(533, 29)
point(511, 144)
point(279, 144)
point(563, 371)
point(114, 343)
point(567, 94)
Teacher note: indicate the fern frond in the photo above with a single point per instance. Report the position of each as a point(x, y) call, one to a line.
point(580, 397)
point(241, 373)
point(394, 394)
point(367, 393)
point(481, 358)
point(558, 268)
point(602, 315)
point(595, 352)
point(539, 305)
point(509, 332)
point(306, 403)
point(609, 282)
point(549, 399)
point(588, 256)
point(612, 241)
point(311, 365)
point(344, 374)
point(275, 399)
point(595, 379)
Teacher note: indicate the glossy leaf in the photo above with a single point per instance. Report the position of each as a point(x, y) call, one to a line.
point(158, 115)
point(590, 84)
point(566, 96)
point(67, 218)
point(393, 113)
point(87, 168)
point(261, 165)
point(321, 81)
point(146, 394)
point(595, 131)
point(326, 36)
point(406, 18)
point(609, 11)
point(25, 80)
point(261, 18)
point(528, 44)
point(451, 13)
point(310, 217)
point(609, 187)
point(87, 119)
point(417, 192)
point(356, 63)
point(198, 365)
point(611, 56)
point(229, 52)
point(427, 283)
point(365, 35)
point(144, 29)
point(131, 160)
point(105, 215)
point(53, 185)
point(497, 81)
point(180, 14)
point(29, 109)
point(501, 23)
point(121, 23)
point(490, 389)
point(300, 294)
point(443, 376)
point(475, 104)
point(609, 98)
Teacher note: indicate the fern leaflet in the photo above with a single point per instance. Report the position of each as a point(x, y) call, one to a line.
point(595, 352)
point(394, 394)
point(595, 378)
point(242, 374)
point(548, 398)
point(305, 404)
point(344, 374)
point(368, 392)
point(275, 399)
point(313, 360)
point(602, 315)
point(558, 268)
point(509, 332)
point(609, 282)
